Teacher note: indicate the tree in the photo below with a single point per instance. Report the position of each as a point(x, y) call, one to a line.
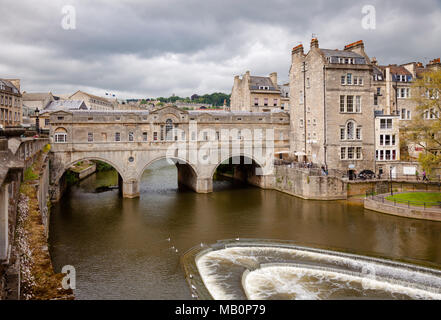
point(425, 128)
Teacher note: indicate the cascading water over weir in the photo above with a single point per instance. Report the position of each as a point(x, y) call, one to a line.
point(268, 270)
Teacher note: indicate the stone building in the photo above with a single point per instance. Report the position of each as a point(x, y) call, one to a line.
point(331, 103)
point(10, 103)
point(257, 94)
point(94, 102)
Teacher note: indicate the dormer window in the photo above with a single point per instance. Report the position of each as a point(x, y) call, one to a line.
point(263, 87)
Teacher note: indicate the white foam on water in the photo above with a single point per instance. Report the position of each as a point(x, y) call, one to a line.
point(290, 281)
point(220, 283)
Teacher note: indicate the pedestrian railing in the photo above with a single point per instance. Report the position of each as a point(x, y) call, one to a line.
point(403, 203)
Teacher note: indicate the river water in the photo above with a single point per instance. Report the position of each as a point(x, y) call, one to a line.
point(130, 248)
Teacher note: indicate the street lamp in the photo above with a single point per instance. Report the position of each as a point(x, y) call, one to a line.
point(390, 176)
point(37, 120)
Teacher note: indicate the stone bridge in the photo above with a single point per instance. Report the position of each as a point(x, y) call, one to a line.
point(197, 141)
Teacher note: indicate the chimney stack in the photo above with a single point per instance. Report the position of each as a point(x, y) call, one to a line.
point(314, 43)
point(273, 77)
point(298, 49)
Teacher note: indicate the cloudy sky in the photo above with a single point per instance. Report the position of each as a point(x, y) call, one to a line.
point(149, 48)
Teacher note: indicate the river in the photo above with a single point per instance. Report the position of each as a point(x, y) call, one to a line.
point(130, 248)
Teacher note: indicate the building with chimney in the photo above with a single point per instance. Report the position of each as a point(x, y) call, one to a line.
point(332, 112)
point(258, 94)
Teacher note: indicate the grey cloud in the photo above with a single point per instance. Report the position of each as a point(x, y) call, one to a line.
point(150, 48)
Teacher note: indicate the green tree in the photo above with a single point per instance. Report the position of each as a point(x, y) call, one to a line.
point(425, 128)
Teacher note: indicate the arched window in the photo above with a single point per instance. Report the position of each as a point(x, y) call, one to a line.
point(169, 129)
point(350, 130)
point(60, 135)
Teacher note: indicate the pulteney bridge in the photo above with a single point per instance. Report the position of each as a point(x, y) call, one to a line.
point(198, 141)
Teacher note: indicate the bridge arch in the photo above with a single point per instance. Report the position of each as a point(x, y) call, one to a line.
point(247, 172)
point(188, 174)
point(67, 165)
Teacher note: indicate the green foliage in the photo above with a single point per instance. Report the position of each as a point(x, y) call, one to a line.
point(429, 161)
point(424, 130)
point(47, 148)
point(417, 198)
point(71, 178)
point(102, 166)
point(215, 99)
point(30, 175)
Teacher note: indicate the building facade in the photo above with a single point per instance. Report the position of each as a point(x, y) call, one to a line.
point(94, 102)
point(331, 103)
point(257, 94)
point(10, 103)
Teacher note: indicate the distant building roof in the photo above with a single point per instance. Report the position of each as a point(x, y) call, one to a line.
point(256, 82)
point(394, 69)
point(37, 96)
point(8, 86)
point(328, 53)
point(66, 105)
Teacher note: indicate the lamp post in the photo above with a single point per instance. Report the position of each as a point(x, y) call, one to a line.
point(37, 120)
point(390, 176)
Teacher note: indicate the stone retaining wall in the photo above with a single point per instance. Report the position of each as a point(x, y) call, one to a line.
point(415, 213)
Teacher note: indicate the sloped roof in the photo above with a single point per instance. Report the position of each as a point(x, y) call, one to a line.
point(36, 96)
point(397, 70)
point(340, 53)
point(92, 96)
point(9, 84)
point(66, 105)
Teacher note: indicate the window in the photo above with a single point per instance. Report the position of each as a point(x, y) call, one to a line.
point(349, 78)
point(256, 101)
point(375, 100)
point(350, 130)
point(355, 80)
point(343, 80)
point(381, 139)
point(301, 97)
point(155, 136)
point(385, 123)
point(393, 139)
point(387, 152)
point(275, 102)
point(349, 103)
point(360, 81)
point(350, 152)
point(381, 154)
point(342, 153)
point(265, 102)
point(357, 104)
point(60, 137)
point(144, 136)
point(387, 140)
point(342, 133)
point(358, 153)
point(301, 123)
point(405, 114)
point(342, 103)
point(358, 134)
point(168, 129)
point(131, 136)
point(117, 136)
point(307, 83)
point(46, 122)
point(394, 154)
point(90, 137)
